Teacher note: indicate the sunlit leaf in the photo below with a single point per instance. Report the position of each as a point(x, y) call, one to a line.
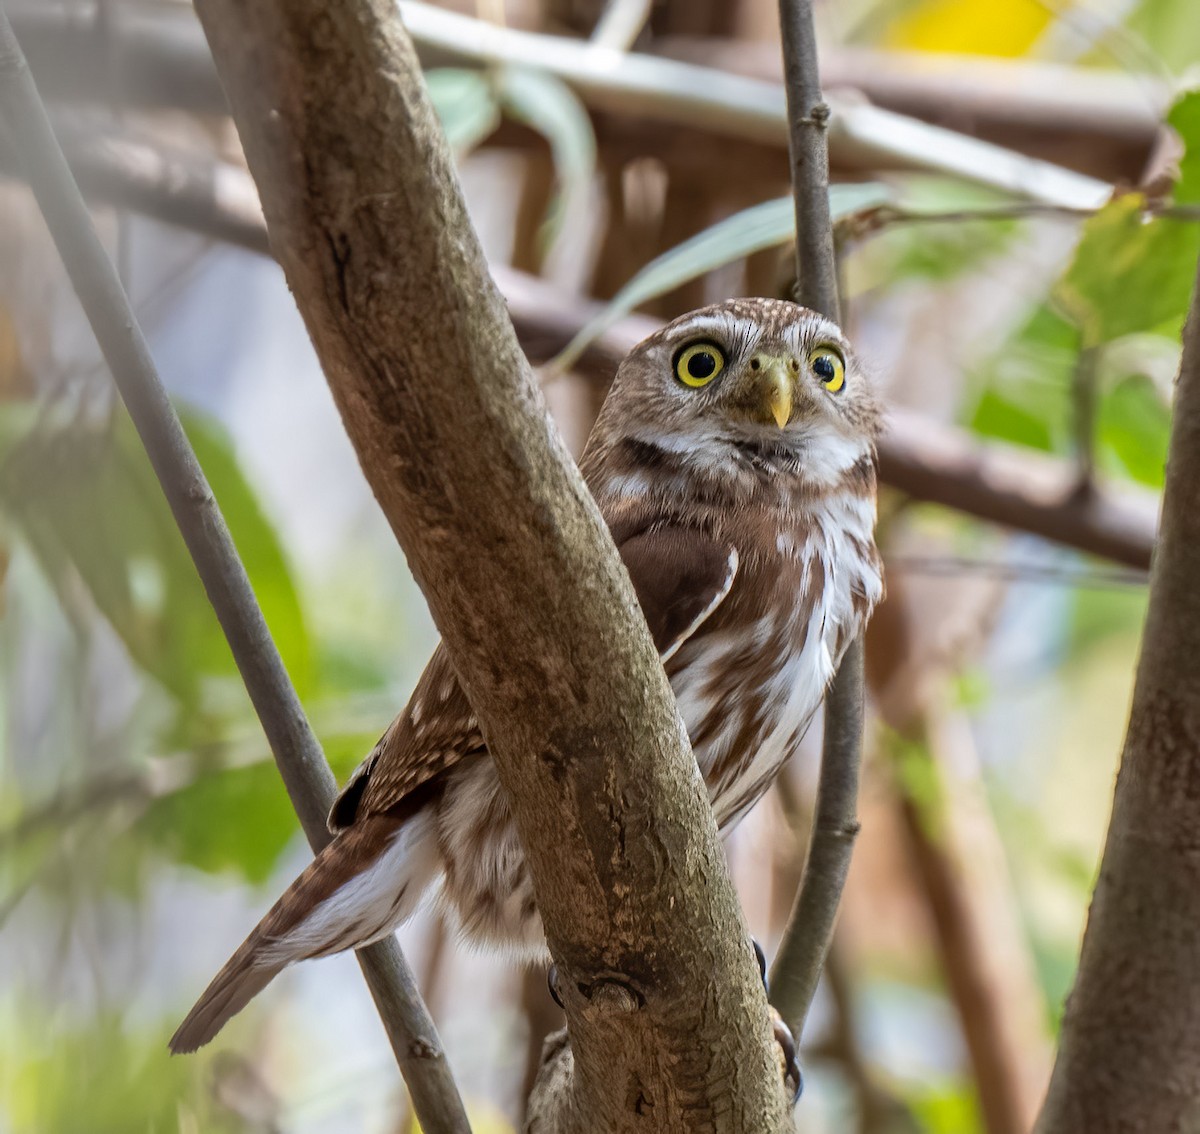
point(1125, 293)
point(1025, 398)
point(1184, 119)
point(104, 1080)
point(1000, 27)
point(749, 231)
point(1169, 28)
point(1130, 274)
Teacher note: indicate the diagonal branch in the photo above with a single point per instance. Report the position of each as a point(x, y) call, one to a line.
point(522, 578)
point(809, 931)
point(310, 783)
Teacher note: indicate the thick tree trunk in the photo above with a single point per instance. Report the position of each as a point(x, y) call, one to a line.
point(1130, 1053)
point(668, 1019)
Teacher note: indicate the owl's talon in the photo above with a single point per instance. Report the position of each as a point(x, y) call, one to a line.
point(762, 963)
point(552, 985)
point(789, 1065)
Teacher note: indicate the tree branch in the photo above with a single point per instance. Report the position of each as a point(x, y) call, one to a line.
point(522, 578)
point(919, 456)
point(1130, 1050)
point(310, 783)
point(809, 931)
point(631, 86)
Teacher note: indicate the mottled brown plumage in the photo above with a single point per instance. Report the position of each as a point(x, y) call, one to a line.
point(734, 464)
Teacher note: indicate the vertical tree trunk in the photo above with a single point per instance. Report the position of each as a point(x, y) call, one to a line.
point(1130, 1052)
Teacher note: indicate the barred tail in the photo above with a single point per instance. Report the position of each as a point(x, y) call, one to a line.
point(357, 890)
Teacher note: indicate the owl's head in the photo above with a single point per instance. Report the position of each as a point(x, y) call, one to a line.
point(760, 376)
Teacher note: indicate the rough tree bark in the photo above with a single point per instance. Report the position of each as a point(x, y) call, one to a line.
point(1129, 1059)
point(667, 1016)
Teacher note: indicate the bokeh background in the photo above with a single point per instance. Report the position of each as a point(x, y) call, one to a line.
point(1019, 303)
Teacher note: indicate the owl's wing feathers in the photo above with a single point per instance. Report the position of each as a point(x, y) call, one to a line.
point(680, 576)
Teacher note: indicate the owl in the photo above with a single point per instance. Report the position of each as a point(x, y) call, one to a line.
point(734, 462)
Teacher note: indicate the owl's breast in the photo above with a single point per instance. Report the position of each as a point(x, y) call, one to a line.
point(749, 682)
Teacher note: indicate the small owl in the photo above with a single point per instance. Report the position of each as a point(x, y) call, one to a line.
point(734, 462)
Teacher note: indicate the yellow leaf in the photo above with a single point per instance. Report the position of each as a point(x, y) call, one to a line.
point(968, 27)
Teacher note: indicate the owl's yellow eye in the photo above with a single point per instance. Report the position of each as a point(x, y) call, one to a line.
point(699, 364)
point(828, 365)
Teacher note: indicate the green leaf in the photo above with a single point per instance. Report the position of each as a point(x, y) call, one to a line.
point(548, 106)
point(58, 1079)
point(1170, 28)
point(1184, 119)
point(937, 251)
point(1005, 418)
point(1134, 426)
point(259, 547)
point(227, 819)
point(746, 232)
point(466, 105)
point(1025, 396)
point(1130, 274)
point(87, 502)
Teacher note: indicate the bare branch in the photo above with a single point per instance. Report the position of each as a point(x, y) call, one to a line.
point(1130, 1050)
point(805, 942)
point(521, 575)
point(310, 783)
point(924, 458)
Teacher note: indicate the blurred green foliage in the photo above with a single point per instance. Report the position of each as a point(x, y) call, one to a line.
point(1123, 298)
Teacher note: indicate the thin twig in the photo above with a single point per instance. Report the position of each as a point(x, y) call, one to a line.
point(309, 781)
point(806, 939)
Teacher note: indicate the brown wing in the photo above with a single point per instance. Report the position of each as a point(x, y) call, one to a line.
point(680, 576)
point(434, 730)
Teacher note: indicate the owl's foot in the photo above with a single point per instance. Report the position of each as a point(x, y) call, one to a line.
point(789, 1065)
point(762, 963)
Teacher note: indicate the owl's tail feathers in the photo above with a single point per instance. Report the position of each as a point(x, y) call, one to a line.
point(357, 890)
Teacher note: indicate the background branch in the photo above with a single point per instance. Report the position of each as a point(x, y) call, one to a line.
point(309, 781)
point(639, 101)
point(522, 578)
point(1130, 1051)
point(920, 456)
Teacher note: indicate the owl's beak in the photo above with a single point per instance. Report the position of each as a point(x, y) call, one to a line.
point(775, 382)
